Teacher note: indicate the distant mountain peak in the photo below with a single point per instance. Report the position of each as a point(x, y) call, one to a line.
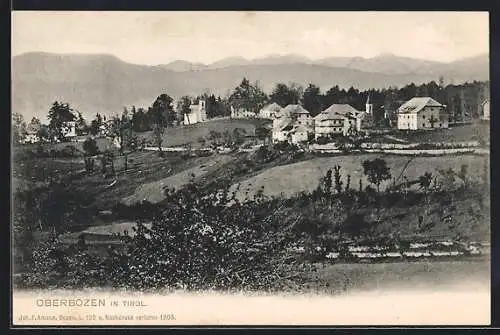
point(183, 65)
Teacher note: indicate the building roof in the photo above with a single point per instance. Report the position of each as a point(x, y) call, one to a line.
point(417, 104)
point(294, 109)
point(338, 111)
point(274, 107)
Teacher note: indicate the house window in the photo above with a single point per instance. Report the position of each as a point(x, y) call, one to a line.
point(440, 125)
point(423, 117)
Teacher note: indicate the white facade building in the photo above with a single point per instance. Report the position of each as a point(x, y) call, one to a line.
point(31, 138)
point(299, 115)
point(299, 133)
point(69, 129)
point(337, 119)
point(197, 114)
point(422, 113)
point(241, 113)
point(270, 111)
point(293, 124)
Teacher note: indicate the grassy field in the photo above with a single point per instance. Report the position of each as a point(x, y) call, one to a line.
point(459, 133)
point(304, 176)
point(190, 134)
point(153, 191)
point(143, 168)
point(102, 143)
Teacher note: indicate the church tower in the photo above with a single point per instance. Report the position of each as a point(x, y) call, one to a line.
point(368, 106)
point(202, 111)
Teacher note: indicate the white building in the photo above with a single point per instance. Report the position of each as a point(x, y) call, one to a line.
point(197, 114)
point(69, 129)
point(293, 124)
point(299, 133)
point(422, 113)
point(269, 111)
point(282, 133)
point(31, 138)
point(337, 119)
point(241, 113)
point(486, 110)
point(299, 115)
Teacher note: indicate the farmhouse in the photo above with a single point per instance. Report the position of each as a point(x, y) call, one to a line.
point(337, 119)
point(69, 129)
point(292, 124)
point(299, 115)
point(299, 133)
point(282, 132)
point(269, 111)
point(291, 132)
point(486, 110)
point(198, 113)
point(30, 138)
point(422, 113)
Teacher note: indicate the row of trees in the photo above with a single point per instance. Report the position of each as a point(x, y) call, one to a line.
point(59, 115)
point(463, 103)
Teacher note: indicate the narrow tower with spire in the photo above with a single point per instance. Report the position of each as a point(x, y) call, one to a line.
point(368, 106)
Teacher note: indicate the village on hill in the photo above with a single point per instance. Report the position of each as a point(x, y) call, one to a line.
point(239, 168)
point(291, 122)
point(342, 176)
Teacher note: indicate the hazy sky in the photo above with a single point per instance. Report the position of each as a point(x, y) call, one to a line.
point(160, 37)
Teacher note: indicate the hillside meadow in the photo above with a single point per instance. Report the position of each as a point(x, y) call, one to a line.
point(479, 131)
point(304, 176)
point(190, 134)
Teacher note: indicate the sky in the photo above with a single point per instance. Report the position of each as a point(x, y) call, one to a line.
point(153, 38)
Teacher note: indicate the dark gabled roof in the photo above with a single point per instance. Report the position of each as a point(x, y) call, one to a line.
point(338, 111)
point(274, 107)
point(294, 109)
point(417, 104)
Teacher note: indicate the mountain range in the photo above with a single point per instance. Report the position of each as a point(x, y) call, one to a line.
point(102, 83)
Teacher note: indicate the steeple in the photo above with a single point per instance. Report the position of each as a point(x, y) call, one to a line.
point(368, 106)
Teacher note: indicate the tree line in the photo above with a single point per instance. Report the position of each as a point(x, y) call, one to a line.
point(463, 103)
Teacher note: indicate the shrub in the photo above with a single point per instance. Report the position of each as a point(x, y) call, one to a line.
point(199, 239)
point(90, 147)
point(323, 140)
point(69, 151)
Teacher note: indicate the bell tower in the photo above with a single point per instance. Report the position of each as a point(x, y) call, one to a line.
point(202, 111)
point(368, 106)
